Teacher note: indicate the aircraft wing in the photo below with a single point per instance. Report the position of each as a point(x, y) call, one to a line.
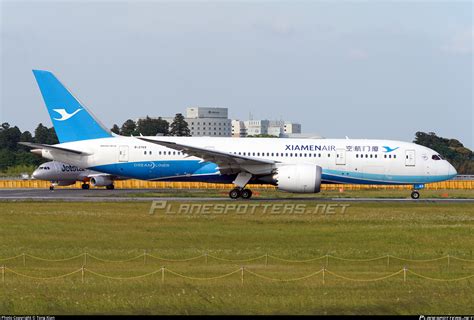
point(47, 146)
point(227, 162)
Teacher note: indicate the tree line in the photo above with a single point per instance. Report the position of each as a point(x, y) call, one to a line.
point(153, 126)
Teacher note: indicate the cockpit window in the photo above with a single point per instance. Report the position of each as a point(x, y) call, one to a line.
point(435, 157)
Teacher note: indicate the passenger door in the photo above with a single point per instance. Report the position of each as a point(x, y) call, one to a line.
point(123, 154)
point(410, 158)
point(340, 156)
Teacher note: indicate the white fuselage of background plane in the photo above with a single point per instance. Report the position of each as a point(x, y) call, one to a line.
point(363, 161)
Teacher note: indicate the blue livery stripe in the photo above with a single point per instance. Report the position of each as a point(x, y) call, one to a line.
point(195, 170)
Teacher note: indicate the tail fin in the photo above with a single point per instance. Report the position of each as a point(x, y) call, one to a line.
point(71, 119)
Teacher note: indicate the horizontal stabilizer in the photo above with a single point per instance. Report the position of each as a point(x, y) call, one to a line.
point(47, 146)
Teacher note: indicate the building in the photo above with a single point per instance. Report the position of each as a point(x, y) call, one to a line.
point(207, 121)
point(290, 127)
point(278, 128)
point(238, 129)
point(215, 122)
point(256, 127)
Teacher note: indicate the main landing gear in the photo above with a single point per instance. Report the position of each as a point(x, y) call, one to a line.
point(241, 181)
point(110, 187)
point(85, 186)
point(240, 193)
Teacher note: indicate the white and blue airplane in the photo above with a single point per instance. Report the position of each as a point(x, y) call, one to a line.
point(292, 165)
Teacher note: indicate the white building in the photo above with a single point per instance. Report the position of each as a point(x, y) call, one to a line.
point(207, 121)
point(278, 128)
point(238, 129)
point(290, 127)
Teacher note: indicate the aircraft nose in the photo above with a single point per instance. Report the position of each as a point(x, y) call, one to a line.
point(451, 171)
point(36, 174)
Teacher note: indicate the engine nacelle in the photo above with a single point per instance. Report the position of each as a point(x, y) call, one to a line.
point(101, 181)
point(299, 178)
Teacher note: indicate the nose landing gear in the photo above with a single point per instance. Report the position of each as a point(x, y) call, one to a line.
point(415, 194)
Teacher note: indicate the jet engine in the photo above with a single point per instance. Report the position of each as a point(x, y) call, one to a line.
point(298, 178)
point(101, 181)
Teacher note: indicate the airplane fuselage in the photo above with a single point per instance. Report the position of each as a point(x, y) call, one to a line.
point(362, 161)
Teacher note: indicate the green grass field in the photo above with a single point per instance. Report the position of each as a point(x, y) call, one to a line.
point(121, 230)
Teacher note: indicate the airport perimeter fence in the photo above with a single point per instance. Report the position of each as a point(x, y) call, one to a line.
point(266, 258)
point(242, 270)
point(140, 184)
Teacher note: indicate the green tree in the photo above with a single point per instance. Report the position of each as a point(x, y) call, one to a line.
point(52, 137)
point(9, 137)
point(115, 129)
point(179, 127)
point(25, 136)
point(152, 127)
point(7, 159)
point(41, 134)
point(4, 126)
point(128, 128)
point(45, 135)
point(453, 150)
point(27, 158)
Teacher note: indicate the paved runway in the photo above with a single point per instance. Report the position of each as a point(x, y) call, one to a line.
point(100, 195)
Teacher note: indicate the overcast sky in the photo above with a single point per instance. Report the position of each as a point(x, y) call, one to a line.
point(361, 69)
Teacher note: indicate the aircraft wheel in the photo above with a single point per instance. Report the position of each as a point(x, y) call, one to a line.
point(51, 188)
point(246, 194)
point(85, 186)
point(110, 187)
point(235, 193)
point(415, 195)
